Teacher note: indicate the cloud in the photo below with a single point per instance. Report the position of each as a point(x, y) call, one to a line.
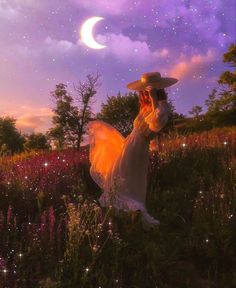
point(27, 3)
point(7, 12)
point(32, 119)
point(59, 45)
point(103, 6)
point(118, 45)
point(125, 49)
point(186, 68)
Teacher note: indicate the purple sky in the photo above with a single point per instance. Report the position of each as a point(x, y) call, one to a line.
point(41, 46)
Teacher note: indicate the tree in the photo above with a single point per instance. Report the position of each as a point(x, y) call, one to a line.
point(57, 133)
point(36, 141)
point(230, 55)
point(65, 116)
point(211, 101)
point(120, 111)
point(85, 94)
point(72, 113)
point(228, 78)
point(173, 119)
point(196, 111)
point(221, 103)
point(11, 140)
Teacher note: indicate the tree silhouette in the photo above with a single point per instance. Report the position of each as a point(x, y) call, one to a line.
point(120, 111)
point(72, 113)
point(221, 103)
point(196, 111)
point(11, 140)
point(36, 141)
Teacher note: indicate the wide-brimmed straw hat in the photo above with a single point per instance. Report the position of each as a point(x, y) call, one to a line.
point(153, 79)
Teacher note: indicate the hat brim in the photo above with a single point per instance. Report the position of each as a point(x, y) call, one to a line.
point(162, 83)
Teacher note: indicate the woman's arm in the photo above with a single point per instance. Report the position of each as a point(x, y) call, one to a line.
point(154, 97)
point(158, 118)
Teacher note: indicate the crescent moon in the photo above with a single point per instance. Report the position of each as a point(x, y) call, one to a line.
point(86, 33)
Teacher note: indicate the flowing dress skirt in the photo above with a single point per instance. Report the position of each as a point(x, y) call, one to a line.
point(119, 166)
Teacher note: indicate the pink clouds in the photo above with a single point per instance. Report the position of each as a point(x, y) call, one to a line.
point(32, 119)
point(187, 68)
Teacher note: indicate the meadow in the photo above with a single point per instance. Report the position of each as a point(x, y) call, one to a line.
point(53, 233)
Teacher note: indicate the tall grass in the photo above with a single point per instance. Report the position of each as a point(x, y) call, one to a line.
point(54, 234)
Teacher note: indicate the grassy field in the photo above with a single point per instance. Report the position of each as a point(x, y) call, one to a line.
point(54, 234)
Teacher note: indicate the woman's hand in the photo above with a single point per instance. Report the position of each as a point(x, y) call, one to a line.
point(153, 96)
point(151, 91)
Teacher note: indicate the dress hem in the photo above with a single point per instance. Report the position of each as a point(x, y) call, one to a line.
point(127, 204)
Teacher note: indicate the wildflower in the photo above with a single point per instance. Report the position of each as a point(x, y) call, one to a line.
point(9, 214)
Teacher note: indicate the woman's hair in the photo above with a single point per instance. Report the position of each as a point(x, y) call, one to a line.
point(144, 98)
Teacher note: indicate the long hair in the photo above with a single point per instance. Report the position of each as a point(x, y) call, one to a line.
point(144, 99)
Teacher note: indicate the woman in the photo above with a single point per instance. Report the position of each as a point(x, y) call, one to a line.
point(119, 165)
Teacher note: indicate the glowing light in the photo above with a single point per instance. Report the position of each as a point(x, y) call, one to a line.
point(87, 33)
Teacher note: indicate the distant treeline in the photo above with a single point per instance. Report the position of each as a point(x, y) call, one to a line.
point(73, 112)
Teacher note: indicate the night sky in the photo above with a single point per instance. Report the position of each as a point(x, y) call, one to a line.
point(41, 46)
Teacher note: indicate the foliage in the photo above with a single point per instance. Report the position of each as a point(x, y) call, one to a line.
point(36, 141)
point(49, 232)
point(221, 103)
point(65, 117)
point(173, 118)
point(11, 140)
point(196, 111)
point(120, 112)
point(229, 78)
point(89, 232)
point(72, 113)
point(230, 55)
point(85, 94)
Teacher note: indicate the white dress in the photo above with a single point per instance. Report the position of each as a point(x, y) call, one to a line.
point(119, 165)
